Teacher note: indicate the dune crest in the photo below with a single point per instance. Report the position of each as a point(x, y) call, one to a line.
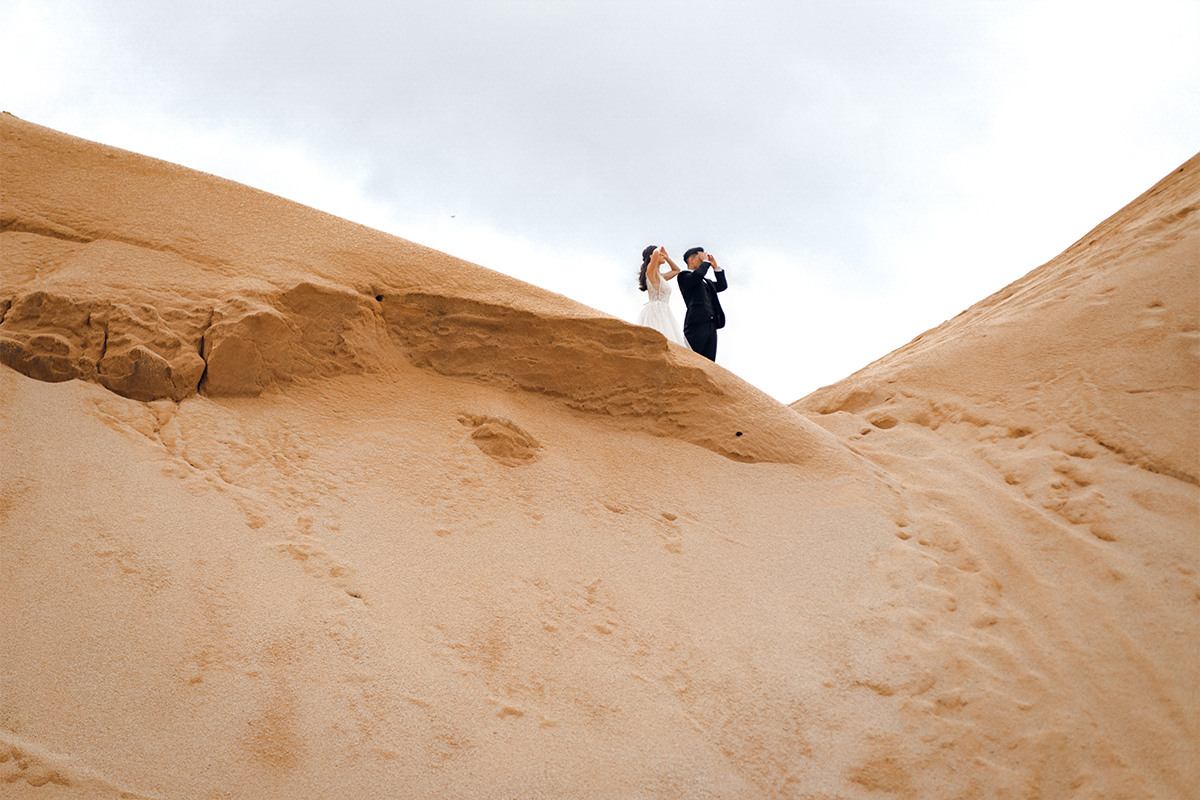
point(1104, 340)
point(219, 288)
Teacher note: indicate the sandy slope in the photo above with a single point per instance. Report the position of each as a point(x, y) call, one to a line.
point(292, 508)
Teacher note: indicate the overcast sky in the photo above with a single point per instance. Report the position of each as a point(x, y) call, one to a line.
point(863, 170)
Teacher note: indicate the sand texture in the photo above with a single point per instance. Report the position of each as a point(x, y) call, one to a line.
point(292, 508)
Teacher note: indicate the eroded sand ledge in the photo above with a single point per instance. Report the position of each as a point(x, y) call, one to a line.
point(291, 508)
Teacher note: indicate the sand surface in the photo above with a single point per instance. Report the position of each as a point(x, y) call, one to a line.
point(292, 508)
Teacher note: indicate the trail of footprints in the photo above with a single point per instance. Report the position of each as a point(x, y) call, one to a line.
point(666, 524)
point(956, 652)
point(38, 767)
point(239, 464)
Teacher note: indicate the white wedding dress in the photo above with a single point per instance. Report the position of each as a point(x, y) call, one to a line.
point(657, 313)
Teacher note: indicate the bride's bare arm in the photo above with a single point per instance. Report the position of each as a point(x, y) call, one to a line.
point(656, 259)
point(674, 269)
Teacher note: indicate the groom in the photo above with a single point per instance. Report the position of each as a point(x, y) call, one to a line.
point(704, 314)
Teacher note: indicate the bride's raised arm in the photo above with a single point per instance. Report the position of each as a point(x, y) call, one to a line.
point(674, 269)
point(652, 273)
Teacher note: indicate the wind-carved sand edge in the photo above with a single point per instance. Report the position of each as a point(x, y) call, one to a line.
point(168, 346)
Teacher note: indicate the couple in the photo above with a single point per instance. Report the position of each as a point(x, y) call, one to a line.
point(704, 315)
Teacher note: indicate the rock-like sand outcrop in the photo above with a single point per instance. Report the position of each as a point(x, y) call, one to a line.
point(293, 508)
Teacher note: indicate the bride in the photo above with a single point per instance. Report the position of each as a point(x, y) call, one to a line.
point(656, 313)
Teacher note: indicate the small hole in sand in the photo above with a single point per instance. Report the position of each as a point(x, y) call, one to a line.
point(739, 433)
point(379, 297)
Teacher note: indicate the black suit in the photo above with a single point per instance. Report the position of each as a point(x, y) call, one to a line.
point(704, 314)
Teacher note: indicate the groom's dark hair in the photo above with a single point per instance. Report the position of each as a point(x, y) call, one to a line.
point(691, 253)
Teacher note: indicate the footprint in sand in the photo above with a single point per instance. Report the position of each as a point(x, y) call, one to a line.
point(501, 439)
point(18, 763)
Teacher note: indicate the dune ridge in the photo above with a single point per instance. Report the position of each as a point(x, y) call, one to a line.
point(1015, 358)
point(160, 281)
point(290, 508)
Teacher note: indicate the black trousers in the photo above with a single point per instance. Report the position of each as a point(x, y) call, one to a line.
point(702, 339)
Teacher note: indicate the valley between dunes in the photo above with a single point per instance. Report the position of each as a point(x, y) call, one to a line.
point(293, 508)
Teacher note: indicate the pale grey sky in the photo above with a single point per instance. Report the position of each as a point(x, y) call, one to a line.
point(864, 170)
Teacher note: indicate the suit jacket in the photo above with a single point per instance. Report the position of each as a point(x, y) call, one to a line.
point(700, 295)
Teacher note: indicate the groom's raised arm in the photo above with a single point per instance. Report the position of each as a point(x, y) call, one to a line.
point(719, 273)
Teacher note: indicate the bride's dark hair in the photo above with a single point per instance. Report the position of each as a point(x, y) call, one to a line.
point(649, 251)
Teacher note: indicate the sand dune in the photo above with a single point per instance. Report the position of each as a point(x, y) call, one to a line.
point(293, 508)
point(1102, 340)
